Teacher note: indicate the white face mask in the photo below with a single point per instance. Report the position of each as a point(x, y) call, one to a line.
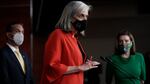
point(18, 38)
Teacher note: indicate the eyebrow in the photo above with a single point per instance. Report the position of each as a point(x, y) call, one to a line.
point(84, 14)
point(17, 30)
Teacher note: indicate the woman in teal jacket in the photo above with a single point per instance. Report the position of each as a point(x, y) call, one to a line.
point(126, 65)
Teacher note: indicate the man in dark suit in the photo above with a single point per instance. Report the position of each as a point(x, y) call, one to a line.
point(15, 66)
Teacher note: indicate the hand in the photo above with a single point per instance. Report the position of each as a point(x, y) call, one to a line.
point(89, 65)
point(142, 81)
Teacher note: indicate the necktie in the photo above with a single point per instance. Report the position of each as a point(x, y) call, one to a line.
point(20, 59)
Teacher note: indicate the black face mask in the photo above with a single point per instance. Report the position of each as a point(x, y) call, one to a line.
point(80, 25)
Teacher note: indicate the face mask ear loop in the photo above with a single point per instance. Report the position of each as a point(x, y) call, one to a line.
point(131, 44)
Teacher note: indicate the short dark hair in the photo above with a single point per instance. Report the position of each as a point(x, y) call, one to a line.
point(9, 27)
point(125, 32)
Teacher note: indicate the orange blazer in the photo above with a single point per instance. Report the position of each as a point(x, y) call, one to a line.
point(61, 50)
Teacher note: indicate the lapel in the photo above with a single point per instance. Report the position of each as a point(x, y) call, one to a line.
point(82, 51)
point(13, 58)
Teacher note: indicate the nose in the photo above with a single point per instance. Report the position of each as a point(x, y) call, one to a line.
point(85, 17)
point(123, 42)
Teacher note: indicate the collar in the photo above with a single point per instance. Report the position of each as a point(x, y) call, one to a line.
point(12, 47)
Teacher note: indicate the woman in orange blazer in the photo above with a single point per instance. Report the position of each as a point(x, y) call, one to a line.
point(64, 56)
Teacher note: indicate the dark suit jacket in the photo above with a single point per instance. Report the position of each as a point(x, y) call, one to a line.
point(10, 69)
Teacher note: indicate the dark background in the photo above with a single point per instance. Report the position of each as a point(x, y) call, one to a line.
point(46, 13)
point(107, 18)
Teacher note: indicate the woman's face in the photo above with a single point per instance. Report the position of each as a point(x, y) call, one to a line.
point(124, 39)
point(79, 21)
point(83, 15)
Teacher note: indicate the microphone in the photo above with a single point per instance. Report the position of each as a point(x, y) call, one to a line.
point(103, 58)
point(106, 59)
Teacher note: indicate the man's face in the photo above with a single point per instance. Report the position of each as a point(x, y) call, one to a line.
point(17, 28)
point(16, 36)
